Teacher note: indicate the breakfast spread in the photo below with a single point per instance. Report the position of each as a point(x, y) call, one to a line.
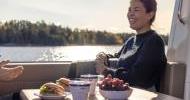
point(110, 87)
point(57, 88)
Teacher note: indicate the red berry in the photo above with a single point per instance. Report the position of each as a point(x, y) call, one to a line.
point(109, 83)
point(114, 82)
point(121, 81)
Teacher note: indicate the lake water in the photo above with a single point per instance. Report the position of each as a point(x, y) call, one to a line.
point(58, 53)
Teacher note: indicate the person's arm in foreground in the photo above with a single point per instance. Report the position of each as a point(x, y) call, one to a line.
point(9, 73)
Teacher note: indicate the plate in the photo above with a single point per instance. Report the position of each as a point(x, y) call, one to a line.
point(50, 97)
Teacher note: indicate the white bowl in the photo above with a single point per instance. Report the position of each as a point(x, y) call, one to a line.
point(115, 95)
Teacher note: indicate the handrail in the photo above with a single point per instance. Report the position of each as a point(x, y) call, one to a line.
point(179, 12)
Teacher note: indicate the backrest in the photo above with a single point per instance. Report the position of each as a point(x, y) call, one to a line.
point(82, 67)
point(173, 80)
point(34, 75)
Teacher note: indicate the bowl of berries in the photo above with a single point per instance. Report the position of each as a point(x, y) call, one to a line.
point(114, 88)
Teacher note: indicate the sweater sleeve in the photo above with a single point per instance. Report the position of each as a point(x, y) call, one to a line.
point(147, 68)
point(126, 41)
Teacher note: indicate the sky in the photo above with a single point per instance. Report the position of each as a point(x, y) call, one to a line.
point(108, 15)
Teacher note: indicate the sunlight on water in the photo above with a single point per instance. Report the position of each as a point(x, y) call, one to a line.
point(59, 53)
point(73, 53)
point(78, 53)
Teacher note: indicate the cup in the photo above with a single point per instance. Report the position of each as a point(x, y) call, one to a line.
point(79, 89)
point(93, 81)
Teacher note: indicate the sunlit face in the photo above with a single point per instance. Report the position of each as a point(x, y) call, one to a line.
point(139, 19)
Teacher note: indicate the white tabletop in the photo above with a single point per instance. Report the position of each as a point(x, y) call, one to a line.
point(137, 94)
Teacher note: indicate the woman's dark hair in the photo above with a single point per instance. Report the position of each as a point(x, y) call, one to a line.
point(150, 6)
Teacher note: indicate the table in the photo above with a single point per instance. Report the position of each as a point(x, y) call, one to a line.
point(137, 94)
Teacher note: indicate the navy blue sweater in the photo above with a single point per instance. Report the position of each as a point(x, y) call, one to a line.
point(142, 60)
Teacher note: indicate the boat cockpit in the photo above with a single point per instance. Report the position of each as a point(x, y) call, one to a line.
point(175, 81)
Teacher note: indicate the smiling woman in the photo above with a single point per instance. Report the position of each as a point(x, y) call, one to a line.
point(136, 63)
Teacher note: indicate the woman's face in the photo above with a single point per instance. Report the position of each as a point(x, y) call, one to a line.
point(139, 20)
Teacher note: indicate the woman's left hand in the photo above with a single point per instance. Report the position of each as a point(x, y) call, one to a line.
point(9, 73)
point(101, 62)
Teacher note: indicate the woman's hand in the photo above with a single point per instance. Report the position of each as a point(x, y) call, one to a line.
point(101, 62)
point(7, 73)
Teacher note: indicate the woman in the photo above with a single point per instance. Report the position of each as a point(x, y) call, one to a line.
point(7, 73)
point(142, 58)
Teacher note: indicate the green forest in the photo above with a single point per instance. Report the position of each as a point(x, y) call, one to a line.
point(26, 33)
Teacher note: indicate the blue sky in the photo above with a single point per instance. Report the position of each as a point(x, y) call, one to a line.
point(109, 15)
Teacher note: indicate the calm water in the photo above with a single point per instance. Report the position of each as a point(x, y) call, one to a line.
point(59, 53)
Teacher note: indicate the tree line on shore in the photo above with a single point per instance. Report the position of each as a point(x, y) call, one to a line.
point(26, 33)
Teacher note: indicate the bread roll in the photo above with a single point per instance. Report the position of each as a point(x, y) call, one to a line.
point(51, 89)
point(64, 82)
